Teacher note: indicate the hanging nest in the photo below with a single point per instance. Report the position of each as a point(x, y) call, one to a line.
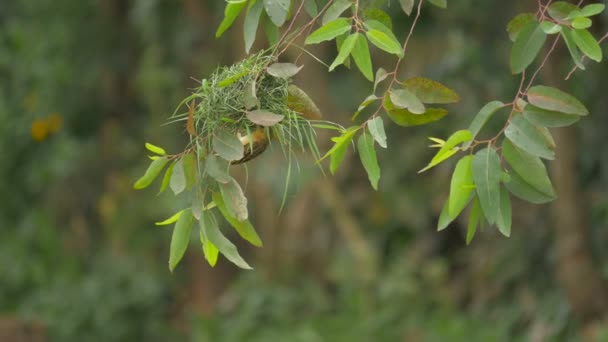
point(245, 102)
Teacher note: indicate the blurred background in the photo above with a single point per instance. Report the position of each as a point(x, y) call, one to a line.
point(83, 84)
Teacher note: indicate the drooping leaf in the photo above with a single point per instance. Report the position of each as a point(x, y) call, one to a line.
point(404, 99)
point(264, 118)
point(430, 91)
point(405, 118)
point(407, 6)
point(231, 12)
point(486, 174)
point(376, 129)
point(549, 118)
point(271, 31)
point(554, 99)
point(345, 49)
point(227, 145)
point(588, 44)
point(329, 31)
point(461, 186)
point(336, 153)
point(560, 10)
point(252, 20)
point(209, 250)
point(474, 218)
point(528, 137)
point(178, 178)
point(439, 3)
point(362, 57)
point(444, 218)
point(190, 169)
point(284, 70)
point(166, 178)
point(367, 153)
point(217, 168)
point(234, 199)
point(592, 9)
point(212, 232)
point(366, 102)
point(156, 166)
point(527, 46)
point(516, 24)
point(277, 10)
point(155, 149)
point(568, 38)
point(530, 168)
point(481, 118)
point(382, 26)
point(180, 238)
point(339, 41)
point(335, 10)
point(504, 219)
point(518, 187)
point(381, 75)
point(170, 220)
point(243, 228)
point(448, 149)
point(384, 42)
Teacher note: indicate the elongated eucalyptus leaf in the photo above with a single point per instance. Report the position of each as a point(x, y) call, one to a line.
point(475, 215)
point(178, 178)
point(212, 232)
point(244, 228)
point(518, 187)
point(530, 168)
point(362, 57)
point(504, 219)
point(335, 10)
point(376, 129)
point(156, 166)
point(234, 199)
point(461, 186)
point(180, 238)
point(231, 12)
point(528, 137)
point(430, 91)
point(277, 10)
point(486, 174)
point(549, 118)
point(329, 31)
point(481, 118)
point(550, 98)
point(527, 46)
point(252, 20)
point(227, 145)
point(367, 153)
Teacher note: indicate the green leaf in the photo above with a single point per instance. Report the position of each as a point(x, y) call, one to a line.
point(264, 118)
point(403, 98)
point(339, 149)
point(156, 166)
point(367, 153)
point(550, 27)
point(170, 220)
point(155, 149)
point(429, 91)
point(212, 232)
point(386, 27)
point(518, 187)
point(481, 118)
point(209, 250)
point(362, 57)
point(516, 24)
point(407, 6)
point(345, 49)
point(244, 228)
point(588, 45)
point(449, 148)
point(439, 3)
point(568, 38)
point(252, 20)
point(379, 16)
point(283, 70)
point(166, 178)
point(560, 10)
point(548, 118)
point(381, 75)
point(231, 12)
point(234, 198)
point(556, 100)
point(474, 218)
point(486, 174)
point(180, 238)
point(530, 168)
point(461, 186)
point(311, 8)
point(384, 42)
point(190, 169)
point(335, 10)
point(592, 9)
point(227, 145)
point(329, 31)
point(272, 32)
point(581, 23)
point(368, 100)
point(405, 118)
point(503, 221)
point(178, 178)
point(277, 10)
point(339, 41)
point(376, 129)
point(528, 137)
point(444, 218)
point(527, 46)
point(217, 169)
point(250, 99)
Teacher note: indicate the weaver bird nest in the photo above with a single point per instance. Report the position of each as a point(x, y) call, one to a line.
point(242, 109)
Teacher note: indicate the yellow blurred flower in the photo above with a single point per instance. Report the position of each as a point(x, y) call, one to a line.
point(40, 129)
